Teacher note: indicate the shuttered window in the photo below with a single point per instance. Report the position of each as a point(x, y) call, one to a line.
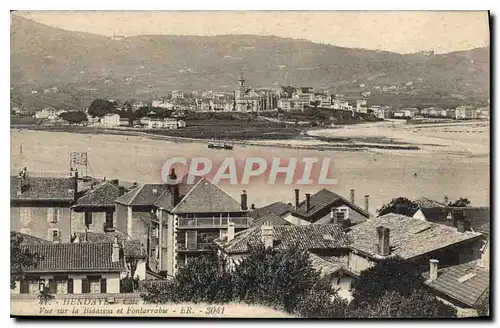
point(52, 286)
point(108, 224)
point(88, 219)
point(70, 286)
point(24, 289)
point(85, 286)
point(94, 284)
point(103, 286)
point(54, 235)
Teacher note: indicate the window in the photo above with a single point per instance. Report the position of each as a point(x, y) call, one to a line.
point(25, 215)
point(108, 224)
point(191, 242)
point(54, 235)
point(33, 286)
point(94, 285)
point(88, 219)
point(51, 217)
point(61, 286)
point(341, 214)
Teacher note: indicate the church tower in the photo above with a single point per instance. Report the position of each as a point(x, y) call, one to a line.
point(240, 92)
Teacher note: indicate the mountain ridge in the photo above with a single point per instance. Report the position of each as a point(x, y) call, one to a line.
point(146, 66)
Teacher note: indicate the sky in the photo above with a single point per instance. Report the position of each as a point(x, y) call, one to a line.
point(401, 32)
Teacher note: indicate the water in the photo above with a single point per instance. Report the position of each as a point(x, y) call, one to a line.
point(383, 175)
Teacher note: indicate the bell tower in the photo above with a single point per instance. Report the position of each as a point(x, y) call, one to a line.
point(241, 86)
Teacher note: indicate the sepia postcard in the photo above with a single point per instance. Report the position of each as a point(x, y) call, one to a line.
point(250, 164)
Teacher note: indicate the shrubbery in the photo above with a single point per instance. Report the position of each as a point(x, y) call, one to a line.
point(286, 281)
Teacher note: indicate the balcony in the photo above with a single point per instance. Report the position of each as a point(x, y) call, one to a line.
point(213, 222)
point(199, 247)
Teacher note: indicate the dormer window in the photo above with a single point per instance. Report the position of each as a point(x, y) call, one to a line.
point(341, 213)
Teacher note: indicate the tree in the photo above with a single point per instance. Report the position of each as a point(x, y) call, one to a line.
point(74, 117)
point(461, 202)
point(394, 289)
point(418, 304)
point(20, 258)
point(100, 107)
point(399, 205)
point(274, 278)
point(321, 302)
point(204, 279)
point(390, 275)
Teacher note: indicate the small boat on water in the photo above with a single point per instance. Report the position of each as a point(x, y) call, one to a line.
point(217, 144)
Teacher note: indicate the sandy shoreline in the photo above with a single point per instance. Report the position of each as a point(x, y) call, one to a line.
point(384, 136)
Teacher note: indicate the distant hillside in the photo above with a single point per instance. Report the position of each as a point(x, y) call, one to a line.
point(89, 66)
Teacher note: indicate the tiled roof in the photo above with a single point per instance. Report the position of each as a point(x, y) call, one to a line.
point(206, 197)
point(28, 239)
point(103, 194)
point(327, 265)
point(80, 257)
point(165, 200)
point(468, 291)
point(479, 217)
point(145, 194)
point(276, 208)
point(35, 188)
point(409, 237)
point(436, 214)
point(426, 202)
point(270, 219)
point(309, 237)
point(151, 194)
point(320, 204)
point(131, 248)
point(101, 237)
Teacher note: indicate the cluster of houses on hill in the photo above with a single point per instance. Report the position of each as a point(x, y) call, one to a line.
point(91, 233)
point(249, 100)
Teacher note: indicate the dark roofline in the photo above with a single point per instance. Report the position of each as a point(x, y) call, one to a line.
point(380, 257)
point(348, 203)
point(92, 270)
point(68, 200)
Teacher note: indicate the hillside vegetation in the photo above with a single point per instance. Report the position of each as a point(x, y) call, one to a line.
point(86, 66)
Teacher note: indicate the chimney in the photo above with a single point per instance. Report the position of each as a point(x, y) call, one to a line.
point(172, 177)
point(459, 220)
point(433, 273)
point(297, 199)
point(352, 196)
point(230, 231)
point(383, 242)
point(267, 234)
point(115, 256)
point(244, 206)
point(367, 202)
point(308, 202)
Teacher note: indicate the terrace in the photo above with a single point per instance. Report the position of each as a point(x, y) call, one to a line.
point(212, 222)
